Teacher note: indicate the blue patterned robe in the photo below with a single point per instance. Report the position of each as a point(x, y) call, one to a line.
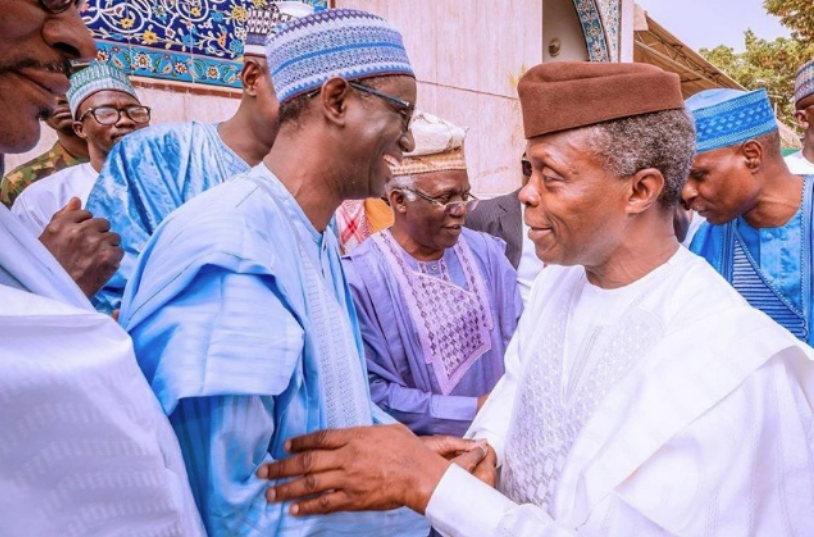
point(770, 267)
point(146, 176)
point(244, 326)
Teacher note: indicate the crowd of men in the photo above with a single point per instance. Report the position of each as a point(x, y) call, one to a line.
point(301, 321)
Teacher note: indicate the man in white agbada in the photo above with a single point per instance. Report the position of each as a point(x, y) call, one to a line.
point(85, 449)
point(642, 395)
point(105, 108)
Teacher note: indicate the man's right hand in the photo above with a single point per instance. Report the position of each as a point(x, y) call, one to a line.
point(85, 247)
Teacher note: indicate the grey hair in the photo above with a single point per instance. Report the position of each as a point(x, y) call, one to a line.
point(662, 140)
point(403, 183)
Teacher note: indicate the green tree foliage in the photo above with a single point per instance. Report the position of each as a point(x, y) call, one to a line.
point(772, 64)
point(796, 15)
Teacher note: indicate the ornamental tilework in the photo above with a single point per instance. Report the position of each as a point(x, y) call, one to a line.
point(191, 41)
point(600, 20)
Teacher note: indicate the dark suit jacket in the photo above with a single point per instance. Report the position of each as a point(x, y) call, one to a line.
point(502, 217)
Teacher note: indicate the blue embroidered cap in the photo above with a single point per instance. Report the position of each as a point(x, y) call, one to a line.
point(263, 21)
point(94, 78)
point(804, 82)
point(306, 52)
point(725, 117)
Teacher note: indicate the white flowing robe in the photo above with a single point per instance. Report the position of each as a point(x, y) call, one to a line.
point(85, 449)
point(677, 410)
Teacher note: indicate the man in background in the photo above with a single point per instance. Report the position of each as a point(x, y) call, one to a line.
point(802, 162)
point(758, 234)
point(106, 108)
point(437, 303)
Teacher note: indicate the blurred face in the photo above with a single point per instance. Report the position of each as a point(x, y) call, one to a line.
point(428, 223)
point(805, 115)
point(101, 137)
point(257, 82)
point(36, 46)
point(575, 209)
point(378, 134)
point(61, 119)
point(721, 186)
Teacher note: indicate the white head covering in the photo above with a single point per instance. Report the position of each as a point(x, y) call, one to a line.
point(439, 145)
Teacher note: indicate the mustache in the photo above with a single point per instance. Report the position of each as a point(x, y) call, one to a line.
point(62, 66)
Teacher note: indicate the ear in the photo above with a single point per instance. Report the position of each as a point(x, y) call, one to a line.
point(753, 152)
point(397, 199)
point(79, 129)
point(646, 187)
point(800, 116)
point(251, 75)
point(333, 99)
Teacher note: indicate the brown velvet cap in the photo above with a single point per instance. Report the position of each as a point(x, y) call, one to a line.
point(566, 95)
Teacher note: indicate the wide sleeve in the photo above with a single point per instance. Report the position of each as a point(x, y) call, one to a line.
point(421, 411)
point(224, 441)
point(464, 506)
point(133, 191)
point(223, 333)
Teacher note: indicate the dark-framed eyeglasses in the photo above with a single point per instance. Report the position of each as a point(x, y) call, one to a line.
point(452, 208)
point(110, 115)
point(402, 107)
point(525, 166)
point(59, 6)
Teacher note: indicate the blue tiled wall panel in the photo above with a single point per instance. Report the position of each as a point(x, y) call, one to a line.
point(192, 41)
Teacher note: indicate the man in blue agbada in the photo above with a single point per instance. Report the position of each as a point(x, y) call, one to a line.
point(147, 177)
point(758, 233)
point(241, 316)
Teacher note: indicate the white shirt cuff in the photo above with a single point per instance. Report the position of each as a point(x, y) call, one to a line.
point(464, 506)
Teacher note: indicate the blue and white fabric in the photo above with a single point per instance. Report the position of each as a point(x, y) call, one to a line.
point(725, 117)
point(147, 175)
point(804, 82)
point(244, 326)
point(349, 43)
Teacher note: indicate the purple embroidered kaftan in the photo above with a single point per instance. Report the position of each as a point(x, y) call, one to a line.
point(434, 332)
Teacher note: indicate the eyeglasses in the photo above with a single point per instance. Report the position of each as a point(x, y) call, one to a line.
point(452, 208)
point(109, 115)
point(525, 166)
point(402, 107)
point(59, 6)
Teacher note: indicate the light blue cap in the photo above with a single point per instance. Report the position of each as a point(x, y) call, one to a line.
point(725, 117)
point(304, 53)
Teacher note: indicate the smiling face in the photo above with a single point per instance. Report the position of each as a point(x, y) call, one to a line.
point(575, 208)
point(427, 223)
point(376, 129)
point(35, 49)
point(721, 186)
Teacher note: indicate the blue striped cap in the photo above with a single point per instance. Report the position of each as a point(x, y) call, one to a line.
point(725, 117)
point(352, 44)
